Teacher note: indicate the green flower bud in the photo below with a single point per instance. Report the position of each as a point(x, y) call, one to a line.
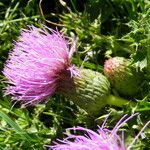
point(90, 91)
point(123, 76)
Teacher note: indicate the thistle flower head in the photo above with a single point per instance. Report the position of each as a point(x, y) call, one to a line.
point(36, 64)
point(103, 139)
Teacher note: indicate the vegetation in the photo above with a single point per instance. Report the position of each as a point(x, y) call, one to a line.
point(102, 29)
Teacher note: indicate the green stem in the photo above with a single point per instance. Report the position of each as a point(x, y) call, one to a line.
point(118, 101)
point(148, 57)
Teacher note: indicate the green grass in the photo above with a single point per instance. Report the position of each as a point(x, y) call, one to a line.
point(102, 29)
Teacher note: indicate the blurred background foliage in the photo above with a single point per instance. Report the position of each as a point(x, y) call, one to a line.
point(102, 29)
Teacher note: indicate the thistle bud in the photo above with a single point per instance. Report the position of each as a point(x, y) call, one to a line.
point(89, 90)
point(123, 76)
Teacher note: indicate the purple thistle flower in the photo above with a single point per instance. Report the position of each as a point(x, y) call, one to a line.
point(103, 139)
point(36, 65)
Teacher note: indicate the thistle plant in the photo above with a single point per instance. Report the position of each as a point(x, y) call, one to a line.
point(103, 139)
point(123, 76)
point(40, 65)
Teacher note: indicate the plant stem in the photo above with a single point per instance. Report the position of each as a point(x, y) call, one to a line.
point(118, 101)
point(148, 58)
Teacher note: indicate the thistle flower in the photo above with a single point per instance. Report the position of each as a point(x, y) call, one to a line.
point(103, 139)
point(40, 65)
point(123, 76)
point(36, 64)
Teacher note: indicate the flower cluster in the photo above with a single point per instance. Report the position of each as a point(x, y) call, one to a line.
point(40, 65)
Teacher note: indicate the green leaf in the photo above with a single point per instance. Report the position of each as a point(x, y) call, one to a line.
point(15, 126)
